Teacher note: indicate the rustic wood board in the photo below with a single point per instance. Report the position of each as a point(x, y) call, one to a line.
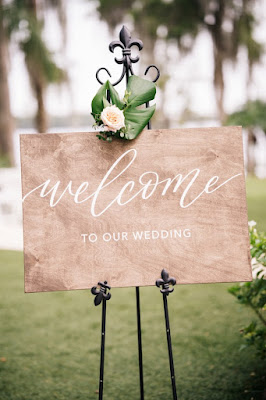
point(205, 241)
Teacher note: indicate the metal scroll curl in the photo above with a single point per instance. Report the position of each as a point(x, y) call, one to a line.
point(126, 43)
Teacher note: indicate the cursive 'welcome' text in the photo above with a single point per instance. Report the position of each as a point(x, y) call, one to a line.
point(144, 187)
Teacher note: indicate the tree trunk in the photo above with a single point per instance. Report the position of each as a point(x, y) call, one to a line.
point(6, 120)
point(216, 31)
point(251, 162)
point(37, 82)
point(219, 85)
point(41, 121)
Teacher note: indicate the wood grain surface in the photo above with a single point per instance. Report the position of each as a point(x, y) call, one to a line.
point(206, 241)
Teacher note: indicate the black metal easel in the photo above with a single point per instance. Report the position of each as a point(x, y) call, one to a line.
point(164, 282)
point(125, 43)
point(101, 296)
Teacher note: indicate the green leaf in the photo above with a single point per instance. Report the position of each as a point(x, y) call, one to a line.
point(115, 97)
point(140, 91)
point(136, 120)
point(99, 101)
point(106, 102)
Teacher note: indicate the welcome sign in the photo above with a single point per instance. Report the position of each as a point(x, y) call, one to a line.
point(123, 211)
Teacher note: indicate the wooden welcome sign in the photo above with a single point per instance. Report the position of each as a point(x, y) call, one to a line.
point(123, 211)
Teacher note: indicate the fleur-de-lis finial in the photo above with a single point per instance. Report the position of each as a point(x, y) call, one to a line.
point(126, 43)
point(101, 293)
point(164, 282)
point(125, 37)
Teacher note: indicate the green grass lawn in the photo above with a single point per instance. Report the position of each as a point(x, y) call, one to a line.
point(256, 200)
point(49, 343)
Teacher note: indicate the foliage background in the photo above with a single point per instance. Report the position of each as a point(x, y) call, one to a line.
point(212, 50)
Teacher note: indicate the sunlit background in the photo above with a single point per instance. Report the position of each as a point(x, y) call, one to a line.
point(212, 58)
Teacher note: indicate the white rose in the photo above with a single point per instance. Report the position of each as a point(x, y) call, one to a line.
point(113, 118)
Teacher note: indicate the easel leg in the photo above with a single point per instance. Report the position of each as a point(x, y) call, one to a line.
point(165, 282)
point(139, 345)
point(169, 343)
point(101, 296)
point(102, 349)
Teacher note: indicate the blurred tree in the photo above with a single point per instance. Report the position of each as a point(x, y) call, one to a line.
point(41, 67)
point(6, 122)
point(229, 22)
point(22, 22)
point(251, 116)
point(231, 25)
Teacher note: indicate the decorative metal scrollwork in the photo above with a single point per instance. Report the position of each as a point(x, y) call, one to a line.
point(126, 43)
point(101, 293)
point(165, 282)
point(157, 69)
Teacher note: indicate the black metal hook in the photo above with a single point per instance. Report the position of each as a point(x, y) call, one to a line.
point(157, 69)
point(101, 293)
point(97, 74)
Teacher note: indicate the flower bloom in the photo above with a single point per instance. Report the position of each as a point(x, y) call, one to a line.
point(251, 224)
point(113, 118)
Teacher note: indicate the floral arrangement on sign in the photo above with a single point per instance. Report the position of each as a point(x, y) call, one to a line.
point(122, 118)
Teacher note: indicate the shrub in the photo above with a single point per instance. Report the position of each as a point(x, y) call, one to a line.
point(253, 294)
